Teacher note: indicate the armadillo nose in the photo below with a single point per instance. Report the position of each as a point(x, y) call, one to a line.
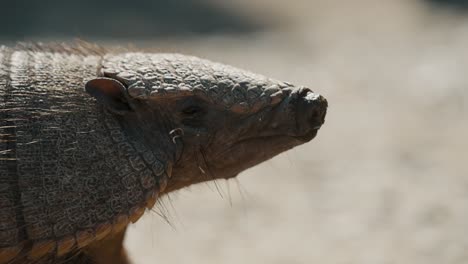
point(311, 111)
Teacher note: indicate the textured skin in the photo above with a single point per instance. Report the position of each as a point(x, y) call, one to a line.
point(75, 170)
point(179, 75)
point(66, 166)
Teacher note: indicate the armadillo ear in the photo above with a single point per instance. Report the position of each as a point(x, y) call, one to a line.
point(110, 93)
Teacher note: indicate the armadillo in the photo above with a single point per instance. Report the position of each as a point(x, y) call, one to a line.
point(90, 138)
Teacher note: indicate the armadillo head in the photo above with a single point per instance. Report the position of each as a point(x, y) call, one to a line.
point(214, 120)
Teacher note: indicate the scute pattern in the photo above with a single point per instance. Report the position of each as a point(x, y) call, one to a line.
point(67, 170)
point(11, 233)
point(173, 75)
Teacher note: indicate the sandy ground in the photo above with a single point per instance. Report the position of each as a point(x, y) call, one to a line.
point(385, 181)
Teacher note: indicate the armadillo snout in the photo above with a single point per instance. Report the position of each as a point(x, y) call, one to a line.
point(311, 109)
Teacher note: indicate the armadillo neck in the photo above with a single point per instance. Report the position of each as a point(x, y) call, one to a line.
point(63, 183)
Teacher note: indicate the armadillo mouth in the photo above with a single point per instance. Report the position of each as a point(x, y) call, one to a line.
point(270, 139)
point(309, 135)
point(261, 146)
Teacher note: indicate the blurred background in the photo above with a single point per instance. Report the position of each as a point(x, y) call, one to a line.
point(385, 181)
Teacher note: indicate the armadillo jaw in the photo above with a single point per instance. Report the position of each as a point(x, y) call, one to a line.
point(308, 136)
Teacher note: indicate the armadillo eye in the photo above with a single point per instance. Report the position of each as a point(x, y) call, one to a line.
point(192, 110)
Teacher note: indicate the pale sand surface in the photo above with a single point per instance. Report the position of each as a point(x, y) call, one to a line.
point(385, 181)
